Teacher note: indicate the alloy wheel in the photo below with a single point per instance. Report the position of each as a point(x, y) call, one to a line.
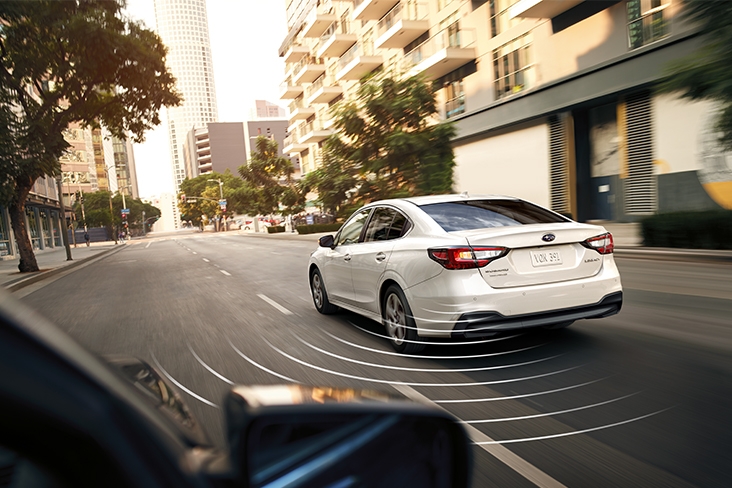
point(395, 318)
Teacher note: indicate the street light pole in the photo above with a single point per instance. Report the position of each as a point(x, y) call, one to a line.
point(62, 205)
point(221, 197)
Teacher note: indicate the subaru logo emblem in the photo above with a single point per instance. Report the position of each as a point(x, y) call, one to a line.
point(548, 237)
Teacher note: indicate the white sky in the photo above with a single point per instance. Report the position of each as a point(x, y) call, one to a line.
point(245, 36)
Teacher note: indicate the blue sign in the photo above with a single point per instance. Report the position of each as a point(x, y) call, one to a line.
point(125, 211)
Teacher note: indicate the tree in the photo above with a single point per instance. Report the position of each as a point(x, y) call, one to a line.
point(707, 74)
point(333, 180)
point(202, 196)
point(270, 176)
point(389, 141)
point(75, 61)
point(97, 213)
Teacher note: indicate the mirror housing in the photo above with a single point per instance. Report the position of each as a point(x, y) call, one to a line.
point(327, 241)
point(312, 436)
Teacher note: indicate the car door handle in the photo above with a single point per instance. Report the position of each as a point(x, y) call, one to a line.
point(347, 257)
point(380, 256)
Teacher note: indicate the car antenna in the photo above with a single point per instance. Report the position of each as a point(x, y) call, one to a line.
point(464, 194)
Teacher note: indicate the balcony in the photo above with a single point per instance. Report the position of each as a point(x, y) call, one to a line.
point(323, 90)
point(300, 111)
point(440, 54)
point(336, 40)
point(295, 53)
point(372, 9)
point(402, 25)
point(313, 132)
point(289, 91)
point(307, 70)
point(291, 145)
point(318, 21)
point(541, 9)
point(455, 106)
point(356, 62)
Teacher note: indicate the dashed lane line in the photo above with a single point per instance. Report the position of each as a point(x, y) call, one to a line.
point(275, 304)
point(225, 272)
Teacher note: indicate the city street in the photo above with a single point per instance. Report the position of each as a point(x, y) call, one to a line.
point(642, 398)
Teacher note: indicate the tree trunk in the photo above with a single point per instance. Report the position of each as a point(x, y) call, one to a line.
point(16, 209)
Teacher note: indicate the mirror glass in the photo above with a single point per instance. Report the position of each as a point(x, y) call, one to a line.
point(326, 241)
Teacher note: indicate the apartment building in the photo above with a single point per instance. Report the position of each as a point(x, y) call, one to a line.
point(553, 100)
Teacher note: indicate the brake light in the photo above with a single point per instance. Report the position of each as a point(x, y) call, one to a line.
point(603, 243)
point(466, 257)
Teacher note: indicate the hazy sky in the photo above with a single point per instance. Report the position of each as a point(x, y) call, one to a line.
point(245, 36)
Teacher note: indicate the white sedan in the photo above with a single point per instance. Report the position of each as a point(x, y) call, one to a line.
point(459, 266)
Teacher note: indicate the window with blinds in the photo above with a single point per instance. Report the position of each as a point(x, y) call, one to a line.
point(640, 182)
point(559, 164)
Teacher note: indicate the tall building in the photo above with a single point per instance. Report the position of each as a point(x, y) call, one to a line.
point(552, 100)
point(267, 110)
point(183, 27)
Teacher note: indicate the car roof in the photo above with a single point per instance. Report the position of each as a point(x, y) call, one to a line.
point(457, 197)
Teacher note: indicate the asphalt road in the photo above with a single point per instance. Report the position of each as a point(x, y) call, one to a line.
point(639, 399)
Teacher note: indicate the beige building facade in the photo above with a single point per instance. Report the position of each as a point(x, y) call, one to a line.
point(553, 100)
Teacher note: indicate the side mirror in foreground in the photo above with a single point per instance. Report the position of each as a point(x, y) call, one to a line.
point(326, 241)
point(299, 436)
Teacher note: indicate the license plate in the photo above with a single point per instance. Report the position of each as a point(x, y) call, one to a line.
point(545, 258)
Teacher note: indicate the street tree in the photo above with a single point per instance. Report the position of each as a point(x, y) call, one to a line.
point(389, 135)
point(707, 73)
point(202, 196)
point(97, 211)
point(77, 61)
point(270, 177)
point(333, 180)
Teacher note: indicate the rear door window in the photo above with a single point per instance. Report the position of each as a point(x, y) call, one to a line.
point(482, 214)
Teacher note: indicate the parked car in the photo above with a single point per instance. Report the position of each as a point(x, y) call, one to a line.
point(71, 419)
point(459, 266)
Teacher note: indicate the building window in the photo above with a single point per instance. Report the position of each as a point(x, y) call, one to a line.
point(455, 96)
point(513, 67)
point(443, 3)
point(646, 22)
point(500, 20)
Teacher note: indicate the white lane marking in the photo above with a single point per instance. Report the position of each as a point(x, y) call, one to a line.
point(547, 414)
point(515, 397)
point(221, 377)
point(148, 244)
point(194, 252)
point(422, 370)
point(225, 272)
point(251, 361)
point(503, 454)
point(389, 382)
point(206, 260)
point(392, 353)
point(274, 304)
point(197, 397)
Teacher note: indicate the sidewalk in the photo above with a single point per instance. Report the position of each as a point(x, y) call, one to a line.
point(50, 262)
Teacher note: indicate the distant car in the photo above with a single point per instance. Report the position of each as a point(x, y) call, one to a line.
point(458, 266)
point(249, 224)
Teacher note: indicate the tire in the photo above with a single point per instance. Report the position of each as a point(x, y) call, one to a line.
point(320, 296)
point(560, 325)
point(399, 322)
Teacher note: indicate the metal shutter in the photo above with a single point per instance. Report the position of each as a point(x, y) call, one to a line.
point(640, 183)
point(559, 164)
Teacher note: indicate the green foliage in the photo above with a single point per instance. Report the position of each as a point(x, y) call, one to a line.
point(689, 230)
point(270, 177)
point(707, 74)
point(275, 229)
point(389, 144)
point(316, 228)
point(202, 196)
point(96, 209)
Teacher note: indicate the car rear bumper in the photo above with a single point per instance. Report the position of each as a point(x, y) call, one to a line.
point(481, 324)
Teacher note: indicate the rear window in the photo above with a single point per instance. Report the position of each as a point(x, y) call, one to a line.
point(481, 214)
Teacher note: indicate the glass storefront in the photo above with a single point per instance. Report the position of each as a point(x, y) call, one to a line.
point(55, 228)
point(33, 231)
point(5, 249)
point(46, 228)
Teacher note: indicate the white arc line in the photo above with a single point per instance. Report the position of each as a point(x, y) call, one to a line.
point(275, 304)
point(515, 397)
point(197, 397)
point(211, 370)
point(251, 361)
point(206, 260)
point(392, 353)
point(225, 272)
point(388, 382)
point(574, 432)
point(547, 414)
point(148, 244)
point(503, 454)
point(437, 343)
point(422, 370)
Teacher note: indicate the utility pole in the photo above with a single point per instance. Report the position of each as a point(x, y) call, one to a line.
point(62, 205)
point(221, 197)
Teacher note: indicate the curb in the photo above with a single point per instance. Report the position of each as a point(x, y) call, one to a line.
point(42, 275)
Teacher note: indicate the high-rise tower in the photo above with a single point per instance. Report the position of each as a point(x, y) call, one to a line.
point(183, 27)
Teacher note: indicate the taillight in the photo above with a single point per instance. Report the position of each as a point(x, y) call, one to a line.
point(466, 257)
point(603, 243)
